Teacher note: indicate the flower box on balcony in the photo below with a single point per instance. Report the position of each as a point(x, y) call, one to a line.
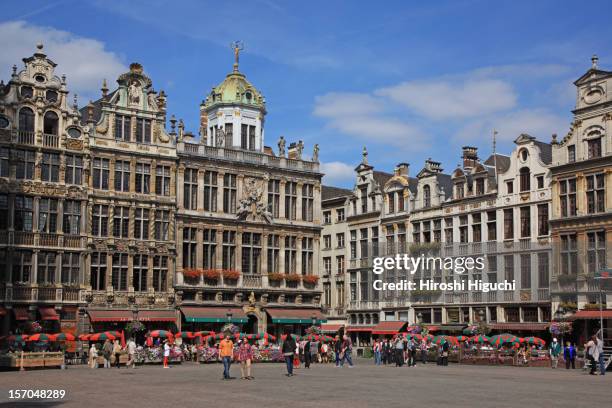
point(211, 274)
point(275, 277)
point(293, 277)
point(310, 279)
point(230, 274)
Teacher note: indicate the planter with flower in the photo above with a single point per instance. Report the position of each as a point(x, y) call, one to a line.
point(191, 276)
point(211, 276)
point(293, 279)
point(310, 280)
point(230, 276)
point(275, 279)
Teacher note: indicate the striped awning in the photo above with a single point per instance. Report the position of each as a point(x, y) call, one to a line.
point(110, 315)
point(356, 329)
point(48, 313)
point(214, 314)
point(295, 316)
point(592, 315)
point(331, 327)
point(389, 327)
point(21, 313)
point(520, 326)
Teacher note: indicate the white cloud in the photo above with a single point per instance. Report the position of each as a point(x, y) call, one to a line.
point(337, 173)
point(540, 123)
point(436, 99)
point(85, 61)
point(337, 104)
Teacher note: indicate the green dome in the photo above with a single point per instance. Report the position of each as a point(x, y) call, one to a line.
point(235, 90)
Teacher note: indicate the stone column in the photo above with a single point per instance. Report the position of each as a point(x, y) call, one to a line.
point(179, 255)
point(220, 191)
point(298, 259)
point(298, 206)
point(281, 254)
point(180, 181)
point(60, 216)
point(200, 199)
point(150, 270)
point(109, 270)
point(281, 204)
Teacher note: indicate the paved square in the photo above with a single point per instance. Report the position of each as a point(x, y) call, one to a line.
point(365, 385)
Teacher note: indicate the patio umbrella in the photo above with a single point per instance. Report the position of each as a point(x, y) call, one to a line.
point(462, 338)
point(268, 336)
point(535, 340)
point(470, 330)
point(84, 337)
point(481, 338)
point(40, 337)
point(63, 337)
point(439, 340)
point(428, 337)
point(161, 333)
point(203, 333)
point(102, 336)
point(17, 338)
point(503, 338)
point(185, 335)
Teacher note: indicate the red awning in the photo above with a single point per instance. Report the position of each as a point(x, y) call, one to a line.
point(592, 314)
point(359, 329)
point(388, 327)
point(214, 314)
point(157, 316)
point(293, 316)
point(21, 313)
point(520, 326)
point(110, 315)
point(331, 327)
point(48, 313)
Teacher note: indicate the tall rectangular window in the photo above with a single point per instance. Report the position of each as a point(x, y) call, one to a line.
point(229, 134)
point(567, 195)
point(72, 217)
point(251, 137)
point(210, 248)
point(123, 126)
point(340, 269)
point(143, 178)
point(100, 170)
point(543, 273)
point(307, 202)
point(4, 162)
point(49, 169)
point(244, 134)
point(290, 200)
point(251, 253)
point(190, 244)
point(98, 271)
point(46, 267)
point(26, 161)
point(71, 265)
point(141, 223)
point(210, 190)
point(364, 199)
point(509, 267)
point(542, 219)
point(525, 271)
point(22, 266)
point(47, 215)
point(229, 250)
point(307, 256)
point(571, 153)
point(162, 180)
point(229, 193)
point(73, 174)
point(121, 222)
point(139, 272)
point(596, 251)
point(162, 225)
point(594, 148)
point(327, 265)
point(363, 243)
point(525, 222)
point(120, 271)
point(4, 212)
point(508, 224)
point(290, 254)
point(596, 194)
point(274, 197)
point(569, 254)
point(143, 130)
point(24, 213)
point(122, 175)
point(160, 273)
point(273, 253)
point(353, 244)
point(190, 189)
point(99, 222)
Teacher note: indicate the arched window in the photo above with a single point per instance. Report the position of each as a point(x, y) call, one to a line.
point(426, 196)
point(51, 122)
point(26, 120)
point(524, 178)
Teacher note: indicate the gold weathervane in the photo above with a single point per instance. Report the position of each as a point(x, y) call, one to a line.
point(237, 46)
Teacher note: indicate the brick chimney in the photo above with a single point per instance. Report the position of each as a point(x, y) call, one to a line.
point(433, 166)
point(402, 169)
point(470, 157)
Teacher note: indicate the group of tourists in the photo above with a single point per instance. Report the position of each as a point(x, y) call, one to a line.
point(400, 351)
point(111, 353)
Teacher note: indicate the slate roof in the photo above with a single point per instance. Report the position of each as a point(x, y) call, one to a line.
point(545, 151)
point(503, 162)
point(329, 192)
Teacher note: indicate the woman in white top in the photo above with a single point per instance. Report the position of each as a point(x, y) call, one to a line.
point(166, 353)
point(93, 356)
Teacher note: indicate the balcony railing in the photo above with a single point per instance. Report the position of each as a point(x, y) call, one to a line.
point(543, 294)
point(22, 293)
point(50, 140)
point(25, 137)
point(47, 294)
point(50, 240)
point(252, 281)
point(72, 241)
point(238, 155)
point(508, 296)
point(24, 238)
point(70, 294)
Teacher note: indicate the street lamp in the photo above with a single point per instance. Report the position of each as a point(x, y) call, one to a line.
point(314, 319)
point(229, 315)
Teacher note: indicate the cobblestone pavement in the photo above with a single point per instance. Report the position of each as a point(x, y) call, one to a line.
point(365, 385)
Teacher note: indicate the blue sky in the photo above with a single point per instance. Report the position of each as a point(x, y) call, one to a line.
point(409, 80)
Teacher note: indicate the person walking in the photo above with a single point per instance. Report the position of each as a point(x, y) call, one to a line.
point(226, 353)
point(117, 353)
point(445, 351)
point(338, 350)
point(166, 353)
point(554, 351)
point(423, 348)
point(601, 357)
point(288, 350)
point(377, 351)
point(245, 357)
point(93, 356)
point(347, 349)
point(413, 353)
point(324, 351)
point(107, 350)
point(399, 352)
point(307, 356)
point(569, 355)
point(131, 349)
point(592, 350)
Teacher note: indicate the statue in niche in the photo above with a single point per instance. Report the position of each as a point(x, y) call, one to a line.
point(252, 204)
point(220, 137)
point(152, 101)
point(300, 149)
point(315, 153)
point(134, 93)
point(281, 147)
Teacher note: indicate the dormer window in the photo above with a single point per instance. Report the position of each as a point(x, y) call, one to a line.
point(571, 153)
point(400, 201)
point(460, 190)
point(426, 197)
point(51, 96)
point(26, 92)
point(594, 148)
point(364, 200)
point(143, 130)
point(51, 122)
point(391, 200)
point(525, 176)
point(123, 127)
point(40, 78)
point(248, 95)
point(480, 185)
point(524, 154)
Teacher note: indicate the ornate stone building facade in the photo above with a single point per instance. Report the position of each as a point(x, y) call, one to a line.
point(581, 220)
point(108, 217)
